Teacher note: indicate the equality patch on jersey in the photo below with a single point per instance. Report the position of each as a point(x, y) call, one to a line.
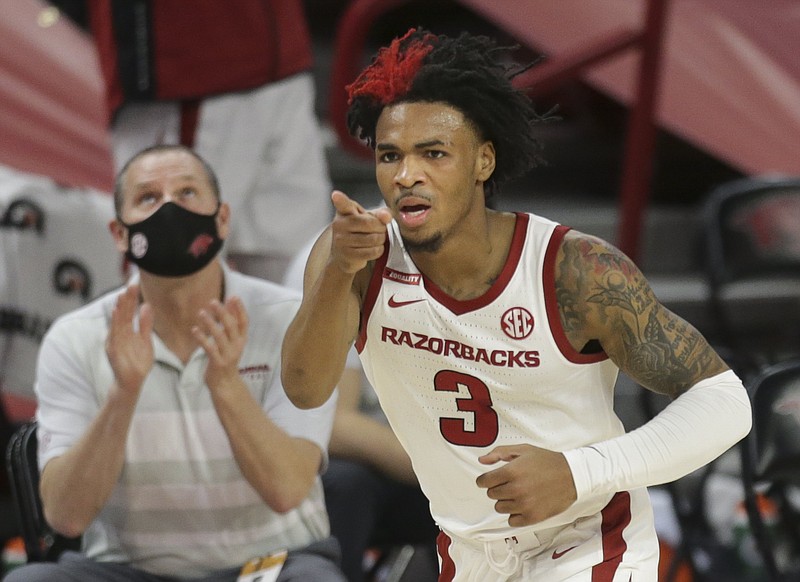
point(400, 277)
point(517, 323)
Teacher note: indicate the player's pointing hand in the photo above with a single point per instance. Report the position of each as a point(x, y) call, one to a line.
point(358, 235)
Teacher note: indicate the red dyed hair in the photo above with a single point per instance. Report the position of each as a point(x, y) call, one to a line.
point(392, 72)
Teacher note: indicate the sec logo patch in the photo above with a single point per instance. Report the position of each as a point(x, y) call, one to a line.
point(517, 323)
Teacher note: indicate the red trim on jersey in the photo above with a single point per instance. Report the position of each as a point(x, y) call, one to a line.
point(616, 517)
point(514, 254)
point(375, 282)
point(448, 571)
point(551, 303)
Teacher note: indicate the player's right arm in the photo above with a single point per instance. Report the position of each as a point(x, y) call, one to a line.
point(336, 276)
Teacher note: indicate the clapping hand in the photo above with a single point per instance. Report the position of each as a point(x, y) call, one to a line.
point(130, 347)
point(221, 331)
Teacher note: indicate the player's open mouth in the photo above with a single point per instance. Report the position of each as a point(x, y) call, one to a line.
point(413, 213)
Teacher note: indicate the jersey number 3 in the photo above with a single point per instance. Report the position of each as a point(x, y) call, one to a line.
point(479, 404)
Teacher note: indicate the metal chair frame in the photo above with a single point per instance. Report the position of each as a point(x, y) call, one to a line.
point(770, 457)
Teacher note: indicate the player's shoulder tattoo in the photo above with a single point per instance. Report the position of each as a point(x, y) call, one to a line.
point(599, 287)
point(593, 276)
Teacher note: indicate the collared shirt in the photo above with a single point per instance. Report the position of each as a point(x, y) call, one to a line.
point(182, 506)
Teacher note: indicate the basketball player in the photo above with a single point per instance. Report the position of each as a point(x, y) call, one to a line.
point(494, 339)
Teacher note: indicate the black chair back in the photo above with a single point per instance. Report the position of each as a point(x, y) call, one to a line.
point(770, 457)
point(776, 421)
point(41, 542)
point(752, 264)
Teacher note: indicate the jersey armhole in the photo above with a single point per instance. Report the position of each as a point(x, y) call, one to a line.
point(551, 303)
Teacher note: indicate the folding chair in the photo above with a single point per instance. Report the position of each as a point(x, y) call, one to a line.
point(752, 264)
point(771, 462)
point(42, 544)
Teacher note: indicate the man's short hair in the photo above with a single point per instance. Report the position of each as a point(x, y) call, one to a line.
point(118, 182)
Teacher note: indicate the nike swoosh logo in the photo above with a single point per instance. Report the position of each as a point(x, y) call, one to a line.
point(393, 303)
point(557, 554)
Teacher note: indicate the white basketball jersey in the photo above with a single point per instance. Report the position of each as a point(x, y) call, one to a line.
point(458, 378)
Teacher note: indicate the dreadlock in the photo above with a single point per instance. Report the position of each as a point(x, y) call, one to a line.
point(463, 72)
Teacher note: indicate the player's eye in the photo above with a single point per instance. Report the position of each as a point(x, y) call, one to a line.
point(388, 157)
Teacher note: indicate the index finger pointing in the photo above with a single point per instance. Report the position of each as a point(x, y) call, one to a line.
point(345, 205)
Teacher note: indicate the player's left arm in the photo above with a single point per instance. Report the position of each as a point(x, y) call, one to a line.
point(604, 297)
point(604, 300)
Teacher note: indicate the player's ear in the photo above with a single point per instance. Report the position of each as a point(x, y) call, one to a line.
point(485, 161)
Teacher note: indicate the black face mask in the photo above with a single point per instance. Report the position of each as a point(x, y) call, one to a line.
point(173, 241)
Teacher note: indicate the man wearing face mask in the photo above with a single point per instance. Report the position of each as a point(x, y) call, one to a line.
point(165, 438)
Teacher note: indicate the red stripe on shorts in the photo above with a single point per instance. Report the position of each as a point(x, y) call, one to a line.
point(448, 571)
point(616, 517)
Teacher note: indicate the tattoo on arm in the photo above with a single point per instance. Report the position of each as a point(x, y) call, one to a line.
point(655, 347)
point(570, 281)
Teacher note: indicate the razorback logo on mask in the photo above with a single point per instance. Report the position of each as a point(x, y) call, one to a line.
point(200, 245)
